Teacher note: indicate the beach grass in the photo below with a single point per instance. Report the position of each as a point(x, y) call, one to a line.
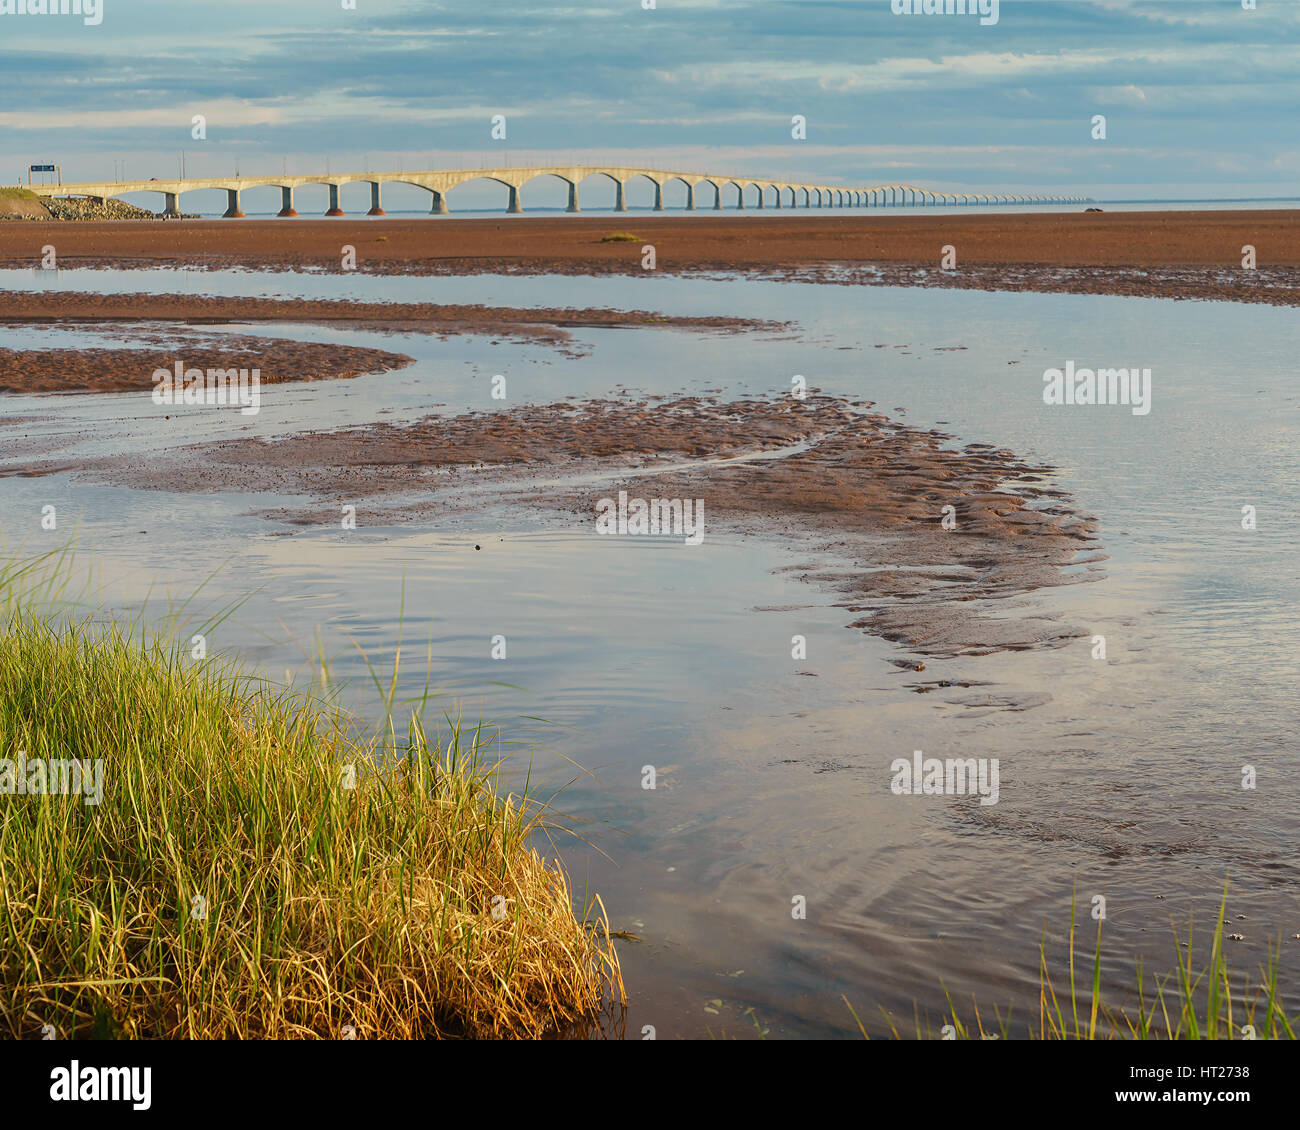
point(259, 868)
point(17, 193)
point(621, 237)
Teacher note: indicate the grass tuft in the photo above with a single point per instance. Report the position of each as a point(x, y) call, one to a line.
point(231, 883)
point(1185, 1005)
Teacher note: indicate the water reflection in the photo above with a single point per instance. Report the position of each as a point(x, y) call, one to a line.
point(1121, 776)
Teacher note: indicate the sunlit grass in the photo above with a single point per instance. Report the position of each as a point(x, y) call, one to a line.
point(1184, 1004)
point(259, 866)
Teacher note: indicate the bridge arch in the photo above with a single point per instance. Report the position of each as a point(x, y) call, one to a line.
point(514, 206)
point(740, 192)
point(570, 185)
point(619, 203)
point(687, 183)
point(716, 185)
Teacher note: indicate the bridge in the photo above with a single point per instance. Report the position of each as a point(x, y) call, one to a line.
point(765, 194)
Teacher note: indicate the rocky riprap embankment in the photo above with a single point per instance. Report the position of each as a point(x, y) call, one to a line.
point(111, 209)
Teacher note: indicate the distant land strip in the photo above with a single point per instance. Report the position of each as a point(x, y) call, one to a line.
point(1201, 252)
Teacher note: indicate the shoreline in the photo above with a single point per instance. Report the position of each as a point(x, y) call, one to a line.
point(1179, 255)
point(921, 542)
point(127, 369)
point(180, 318)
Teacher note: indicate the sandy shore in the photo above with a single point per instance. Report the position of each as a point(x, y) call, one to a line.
point(701, 241)
point(534, 326)
point(131, 370)
point(1156, 254)
point(862, 494)
point(427, 317)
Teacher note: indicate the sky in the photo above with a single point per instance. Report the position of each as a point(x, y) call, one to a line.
point(1200, 97)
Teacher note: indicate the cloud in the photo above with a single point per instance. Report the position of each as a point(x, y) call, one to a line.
point(1193, 79)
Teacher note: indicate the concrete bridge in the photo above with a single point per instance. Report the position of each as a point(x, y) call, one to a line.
point(764, 194)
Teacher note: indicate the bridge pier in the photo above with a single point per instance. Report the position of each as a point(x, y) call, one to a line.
point(659, 197)
point(762, 203)
point(232, 207)
point(620, 197)
point(171, 210)
point(573, 199)
point(334, 209)
point(717, 200)
point(286, 203)
point(740, 198)
point(779, 191)
point(514, 209)
point(690, 198)
point(439, 205)
point(376, 209)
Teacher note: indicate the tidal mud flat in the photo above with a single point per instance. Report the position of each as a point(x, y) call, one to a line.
point(1154, 254)
point(175, 322)
point(933, 545)
point(819, 514)
point(549, 326)
point(131, 369)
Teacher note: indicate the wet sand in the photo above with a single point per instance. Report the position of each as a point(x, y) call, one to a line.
point(131, 370)
point(864, 495)
point(536, 326)
point(1199, 252)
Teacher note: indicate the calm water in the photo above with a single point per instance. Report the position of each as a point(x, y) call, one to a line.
point(1119, 777)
